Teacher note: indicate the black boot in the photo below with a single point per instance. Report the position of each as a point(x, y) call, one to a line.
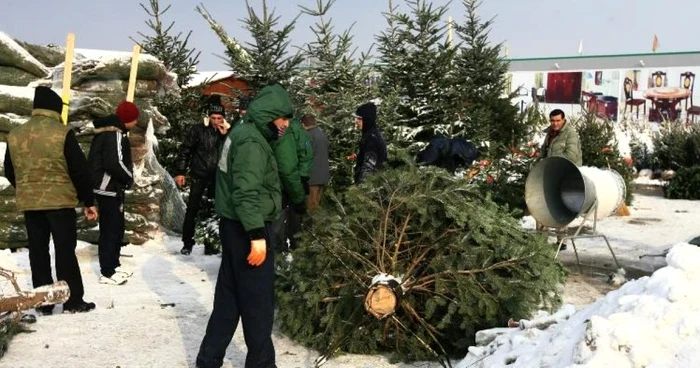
point(79, 307)
point(45, 310)
point(186, 250)
point(211, 251)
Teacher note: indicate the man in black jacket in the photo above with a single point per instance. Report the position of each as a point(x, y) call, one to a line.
point(45, 164)
point(112, 168)
point(199, 153)
point(373, 152)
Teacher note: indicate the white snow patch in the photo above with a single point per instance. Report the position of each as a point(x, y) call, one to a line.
point(107, 56)
point(528, 223)
point(15, 91)
point(650, 322)
point(205, 77)
point(9, 42)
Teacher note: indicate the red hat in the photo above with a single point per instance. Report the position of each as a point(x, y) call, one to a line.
point(127, 112)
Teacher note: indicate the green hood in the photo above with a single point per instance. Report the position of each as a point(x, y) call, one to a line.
point(272, 102)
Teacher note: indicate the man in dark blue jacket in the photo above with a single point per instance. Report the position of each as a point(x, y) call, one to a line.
point(373, 151)
point(112, 168)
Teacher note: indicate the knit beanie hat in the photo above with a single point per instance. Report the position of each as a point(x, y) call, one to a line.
point(46, 98)
point(127, 112)
point(216, 108)
point(368, 112)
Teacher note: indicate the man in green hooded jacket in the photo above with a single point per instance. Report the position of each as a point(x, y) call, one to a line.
point(295, 157)
point(248, 200)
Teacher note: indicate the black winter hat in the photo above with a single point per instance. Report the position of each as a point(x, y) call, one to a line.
point(46, 98)
point(368, 112)
point(215, 106)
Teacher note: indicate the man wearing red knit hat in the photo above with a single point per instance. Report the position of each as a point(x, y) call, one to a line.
point(112, 172)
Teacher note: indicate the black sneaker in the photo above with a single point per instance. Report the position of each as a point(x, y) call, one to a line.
point(44, 310)
point(211, 251)
point(79, 307)
point(186, 250)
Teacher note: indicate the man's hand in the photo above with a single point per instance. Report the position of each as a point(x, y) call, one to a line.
point(352, 157)
point(180, 181)
point(258, 251)
point(223, 127)
point(90, 213)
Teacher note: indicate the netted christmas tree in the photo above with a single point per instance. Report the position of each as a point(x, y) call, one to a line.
point(266, 59)
point(415, 63)
point(412, 262)
point(480, 93)
point(333, 85)
point(599, 147)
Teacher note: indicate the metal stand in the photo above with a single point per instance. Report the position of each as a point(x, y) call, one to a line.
point(594, 211)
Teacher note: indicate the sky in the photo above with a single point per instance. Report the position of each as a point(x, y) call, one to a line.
point(530, 28)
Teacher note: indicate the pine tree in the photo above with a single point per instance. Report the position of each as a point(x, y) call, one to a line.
point(172, 50)
point(483, 107)
point(459, 262)
point(266, 59)
point(177, 56)
point(415, 62)
point(334, 85)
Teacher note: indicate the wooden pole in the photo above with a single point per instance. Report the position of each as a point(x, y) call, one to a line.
point(67, 72)
point(132, 75)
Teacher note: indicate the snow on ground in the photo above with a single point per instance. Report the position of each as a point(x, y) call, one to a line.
point(650, 322)
point(136, 326)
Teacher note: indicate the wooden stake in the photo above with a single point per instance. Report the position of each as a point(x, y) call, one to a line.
point(381, 301)
point(67, 73)
point(132, 75)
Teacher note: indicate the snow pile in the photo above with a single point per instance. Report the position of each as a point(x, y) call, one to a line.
point(650, 322)
point(19, 92)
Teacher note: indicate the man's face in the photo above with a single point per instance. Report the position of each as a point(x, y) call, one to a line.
point(557, 122)
point(358, 122)
point(242, 112)
point(216, 120)
point(281, 123)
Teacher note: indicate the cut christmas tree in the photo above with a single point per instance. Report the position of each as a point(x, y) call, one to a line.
point(413, 262)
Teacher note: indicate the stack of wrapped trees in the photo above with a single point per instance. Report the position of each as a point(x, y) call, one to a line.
point(99, 83)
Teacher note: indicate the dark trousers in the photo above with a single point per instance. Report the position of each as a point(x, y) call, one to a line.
point(197, 189)
point(285, 229)
point(61, 224)
point(241, 291)
point(111, 232)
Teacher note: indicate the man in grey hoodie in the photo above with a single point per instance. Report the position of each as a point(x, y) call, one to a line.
point(320, 170)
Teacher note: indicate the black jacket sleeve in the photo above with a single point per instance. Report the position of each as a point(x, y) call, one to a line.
point(9, 168)
point(113, 158)
point(189, 142)
point(78, 169)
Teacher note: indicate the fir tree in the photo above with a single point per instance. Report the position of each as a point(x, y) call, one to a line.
point(266, 59)
point(415, 64)
point(172, 50)
point(334, 85)
point(461, 264)
point(483, 107)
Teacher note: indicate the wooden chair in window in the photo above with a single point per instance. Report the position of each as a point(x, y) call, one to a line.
point(658, 79)
point(688, 82)
point(631, 101)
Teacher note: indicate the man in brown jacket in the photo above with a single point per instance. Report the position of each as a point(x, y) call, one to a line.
point(45, 164)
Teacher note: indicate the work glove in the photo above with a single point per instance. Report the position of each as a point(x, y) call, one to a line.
point(258, 252)
point(305, 184)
